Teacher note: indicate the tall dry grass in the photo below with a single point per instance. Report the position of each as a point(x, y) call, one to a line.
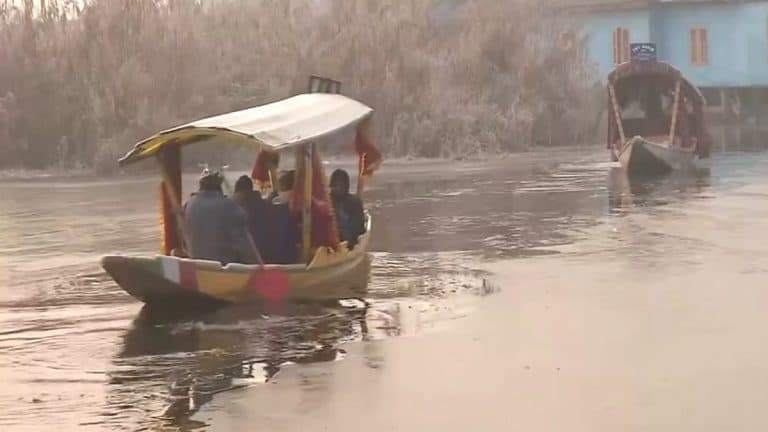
point(80, 83)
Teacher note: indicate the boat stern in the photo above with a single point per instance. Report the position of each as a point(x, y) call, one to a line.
point(145, 280)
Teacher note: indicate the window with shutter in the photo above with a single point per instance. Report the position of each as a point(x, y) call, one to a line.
point(699, 47)
point(620, 45)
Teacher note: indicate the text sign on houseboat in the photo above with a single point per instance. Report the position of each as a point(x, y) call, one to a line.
point(643, 51)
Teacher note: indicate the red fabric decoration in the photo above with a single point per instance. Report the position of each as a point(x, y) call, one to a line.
point(324, 232)
point(264, 162)
point(369, 155)
point(170, 239)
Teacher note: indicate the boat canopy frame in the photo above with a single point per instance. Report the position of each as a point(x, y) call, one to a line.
point(280, 125)
point(683, 88)
point(297, 123)
point(644, 68)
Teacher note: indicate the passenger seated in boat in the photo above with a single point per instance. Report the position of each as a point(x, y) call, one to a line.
point(255, 208)
point(283, 247)
point(217, 228)
point(347, 207)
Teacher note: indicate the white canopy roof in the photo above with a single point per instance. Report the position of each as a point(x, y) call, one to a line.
point(274, 126)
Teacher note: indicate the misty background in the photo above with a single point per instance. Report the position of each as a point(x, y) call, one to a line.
point(81, 82)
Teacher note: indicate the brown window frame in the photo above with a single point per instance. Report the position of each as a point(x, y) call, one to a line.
point(620, 45)
point(699, 46)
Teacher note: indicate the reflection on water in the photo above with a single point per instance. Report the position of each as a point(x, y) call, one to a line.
point(624, 194)
point(76, 350)
point(185, 361)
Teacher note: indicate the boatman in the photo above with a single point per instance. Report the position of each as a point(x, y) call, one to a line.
point(217, 227)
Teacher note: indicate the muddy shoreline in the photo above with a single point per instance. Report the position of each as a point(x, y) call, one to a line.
point(42, 175)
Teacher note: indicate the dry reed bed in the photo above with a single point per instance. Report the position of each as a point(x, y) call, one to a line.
point(80, 83)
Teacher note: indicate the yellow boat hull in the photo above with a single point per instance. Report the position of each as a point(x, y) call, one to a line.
point(331, 275)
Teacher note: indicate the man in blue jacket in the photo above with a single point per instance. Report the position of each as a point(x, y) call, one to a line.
point(217, 228)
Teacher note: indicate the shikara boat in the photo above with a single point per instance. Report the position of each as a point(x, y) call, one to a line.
point(655, 121)
point(329, 269)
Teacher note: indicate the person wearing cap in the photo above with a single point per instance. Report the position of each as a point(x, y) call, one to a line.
point(217, 227)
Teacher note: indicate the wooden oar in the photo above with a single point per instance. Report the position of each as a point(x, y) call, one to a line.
point(271, 285)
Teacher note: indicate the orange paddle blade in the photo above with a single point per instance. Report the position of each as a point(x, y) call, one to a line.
point(270, 285)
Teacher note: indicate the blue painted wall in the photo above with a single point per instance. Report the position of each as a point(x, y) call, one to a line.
point(737, 36)
point(755, 24)
point(599, 30)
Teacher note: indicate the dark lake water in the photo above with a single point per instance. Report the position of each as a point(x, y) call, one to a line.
point(79, 353)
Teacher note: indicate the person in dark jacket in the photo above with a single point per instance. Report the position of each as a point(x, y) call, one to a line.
point(217, 228)
point(348, 208)
point(284, 233)
point(256, 209)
